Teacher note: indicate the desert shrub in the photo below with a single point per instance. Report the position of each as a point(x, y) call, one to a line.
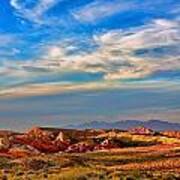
point(19, 173)
point(5, 164)
point(4, 177)
point(169, 177)
point(129, 142)
point(38, 164)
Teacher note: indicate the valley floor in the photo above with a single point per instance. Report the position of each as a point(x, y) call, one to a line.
point(152, 162)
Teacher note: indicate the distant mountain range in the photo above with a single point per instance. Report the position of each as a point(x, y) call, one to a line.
point(157, 125)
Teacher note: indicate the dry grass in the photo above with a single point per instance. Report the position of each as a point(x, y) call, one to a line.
point(139, 140)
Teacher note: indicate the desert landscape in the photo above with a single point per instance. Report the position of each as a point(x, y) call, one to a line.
point(89, 90)
point(52, 153)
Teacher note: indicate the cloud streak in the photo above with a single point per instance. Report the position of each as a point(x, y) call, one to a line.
point(100, 9)
point(43, 89)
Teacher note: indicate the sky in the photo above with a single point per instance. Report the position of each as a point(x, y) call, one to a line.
point(67, 62)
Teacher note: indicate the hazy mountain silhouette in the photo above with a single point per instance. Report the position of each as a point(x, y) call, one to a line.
point(157, 125)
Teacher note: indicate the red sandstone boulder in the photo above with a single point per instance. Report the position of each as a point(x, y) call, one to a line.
point(106, 144)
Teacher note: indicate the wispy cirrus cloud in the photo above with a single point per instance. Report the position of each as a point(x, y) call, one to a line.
point(100, 9)
point(6, 39)
point(33, 10)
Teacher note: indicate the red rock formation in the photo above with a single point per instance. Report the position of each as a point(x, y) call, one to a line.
point(41, 140)
point(46, 140)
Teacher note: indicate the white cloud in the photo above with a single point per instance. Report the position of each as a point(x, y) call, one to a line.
point(15, 4)
point(115, 55)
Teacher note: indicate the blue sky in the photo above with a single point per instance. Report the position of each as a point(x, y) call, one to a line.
point(56, 48)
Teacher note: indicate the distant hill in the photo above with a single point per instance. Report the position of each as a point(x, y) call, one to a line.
point(8, 133)
point(157, 125)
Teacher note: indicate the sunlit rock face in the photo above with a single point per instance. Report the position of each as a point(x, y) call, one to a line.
point(4, 143)
point(175, 134)
point(141, 131)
